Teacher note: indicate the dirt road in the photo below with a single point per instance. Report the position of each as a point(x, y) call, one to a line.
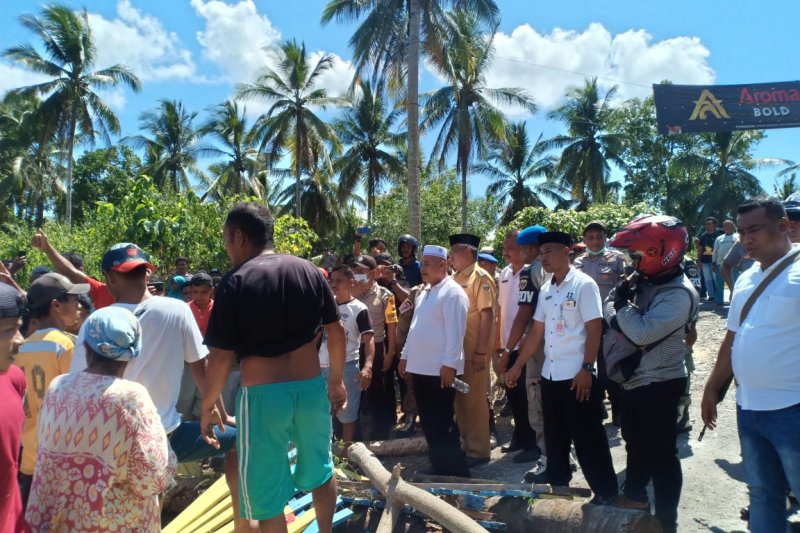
point(713, 479)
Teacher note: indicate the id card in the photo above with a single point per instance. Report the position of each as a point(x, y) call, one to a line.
point(560, 327)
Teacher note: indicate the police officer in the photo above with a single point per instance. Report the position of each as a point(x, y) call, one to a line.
point(605, 267)
point(472, 409)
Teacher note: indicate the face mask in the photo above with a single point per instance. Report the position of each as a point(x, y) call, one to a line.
point(361, 278)
point(601, 251)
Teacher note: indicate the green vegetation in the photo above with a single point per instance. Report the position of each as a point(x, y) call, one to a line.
point(168, 186)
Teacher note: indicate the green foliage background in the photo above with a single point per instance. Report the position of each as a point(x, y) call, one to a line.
point(165, 224)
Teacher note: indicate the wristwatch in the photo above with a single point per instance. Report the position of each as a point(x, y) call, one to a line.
point(589, 367)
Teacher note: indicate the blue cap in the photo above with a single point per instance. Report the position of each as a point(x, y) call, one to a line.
point(487, 257)
point(114, 333)
point(124, 257)
point(530, 235)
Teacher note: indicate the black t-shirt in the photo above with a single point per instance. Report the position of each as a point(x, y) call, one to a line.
point(528, 293)
point(707, 245)
point(270, 305)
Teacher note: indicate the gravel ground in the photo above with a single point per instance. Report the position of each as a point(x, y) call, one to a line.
point(713, 479)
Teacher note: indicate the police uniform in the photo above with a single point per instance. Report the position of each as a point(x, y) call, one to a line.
point(605, 269)
point(472, 409)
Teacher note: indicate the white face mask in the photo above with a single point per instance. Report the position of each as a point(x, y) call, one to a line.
point(361, 278)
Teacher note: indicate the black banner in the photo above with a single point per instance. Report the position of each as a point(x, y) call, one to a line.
point(696, 108)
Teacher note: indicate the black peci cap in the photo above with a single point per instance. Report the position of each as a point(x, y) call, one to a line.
point(465, 238)
point(556, 237)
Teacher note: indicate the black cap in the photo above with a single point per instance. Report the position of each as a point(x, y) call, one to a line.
point(52, 286)
point(557, 237)
point(12, 303)
point(384, 259)
point(594, 224)
point(465, 238)
point(366, 261)
point(201, 278)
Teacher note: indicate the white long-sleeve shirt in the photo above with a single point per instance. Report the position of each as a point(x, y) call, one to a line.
point(436, 337)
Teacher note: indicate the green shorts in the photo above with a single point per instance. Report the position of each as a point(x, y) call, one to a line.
point(270, 417)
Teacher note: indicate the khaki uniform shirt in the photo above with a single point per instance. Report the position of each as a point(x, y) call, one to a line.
point(482, 293)
point(380, 302)
point(604, 269)
point(404, 315)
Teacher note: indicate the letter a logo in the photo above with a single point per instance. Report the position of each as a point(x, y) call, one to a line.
point(708, 103)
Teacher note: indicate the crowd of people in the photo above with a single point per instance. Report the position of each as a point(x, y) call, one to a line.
point(105, 386)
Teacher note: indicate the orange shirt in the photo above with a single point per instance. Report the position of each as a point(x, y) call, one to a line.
point(202, 315)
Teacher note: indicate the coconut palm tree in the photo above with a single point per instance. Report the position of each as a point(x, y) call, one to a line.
point(588, 149)
point(70, 105)
point(243, 169)
point(787, 186)
point(513, 164)
point(291, 123)
point(31, 173)
point(726, 163)
point(388, 40)
point(172, 146)
point(366, 129)
point(466, 108)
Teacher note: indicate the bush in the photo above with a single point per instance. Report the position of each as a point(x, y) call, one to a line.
point(166, 225)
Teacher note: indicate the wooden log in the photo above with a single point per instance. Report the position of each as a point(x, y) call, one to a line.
point(392, 510)
point(384, 448)
point(440, 511)
point(564, 516)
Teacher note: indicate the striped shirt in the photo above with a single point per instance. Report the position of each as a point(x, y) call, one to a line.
point(43, 356)
point(669, 310)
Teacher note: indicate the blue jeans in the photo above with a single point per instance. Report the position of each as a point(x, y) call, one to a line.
point(708, 278)
point(770, 443)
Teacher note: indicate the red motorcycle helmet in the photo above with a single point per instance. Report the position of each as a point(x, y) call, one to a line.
point(656, 243)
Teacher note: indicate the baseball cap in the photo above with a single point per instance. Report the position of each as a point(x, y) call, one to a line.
point(594, 224)
point(124, 257)
point(12, 303)
point(114, 333)
point(201, 278)
point(51, 286)
point(384, 259)
point(38, 272)
point(366, 261)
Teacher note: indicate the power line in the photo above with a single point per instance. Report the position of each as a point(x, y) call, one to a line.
point(583, 75)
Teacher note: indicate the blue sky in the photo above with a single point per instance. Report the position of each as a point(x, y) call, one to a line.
point(197, 50)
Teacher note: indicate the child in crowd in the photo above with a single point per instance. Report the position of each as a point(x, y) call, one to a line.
point(358, 329)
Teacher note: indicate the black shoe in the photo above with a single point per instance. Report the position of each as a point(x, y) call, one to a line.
point(512, 446)
point(526, 456)
point(472, 462)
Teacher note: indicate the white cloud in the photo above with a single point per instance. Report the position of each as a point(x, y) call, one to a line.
point(545, 64)
point(12, 77)
point(235, 37)
point(337, 79)
point(140, 42)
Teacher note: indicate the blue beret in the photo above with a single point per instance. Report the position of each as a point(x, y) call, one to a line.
point(487, 257)
point(530, 235)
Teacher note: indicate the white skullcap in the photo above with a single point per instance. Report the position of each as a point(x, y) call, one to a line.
point(435, 251)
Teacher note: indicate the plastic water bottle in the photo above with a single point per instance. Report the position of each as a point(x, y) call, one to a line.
point(460, 386)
